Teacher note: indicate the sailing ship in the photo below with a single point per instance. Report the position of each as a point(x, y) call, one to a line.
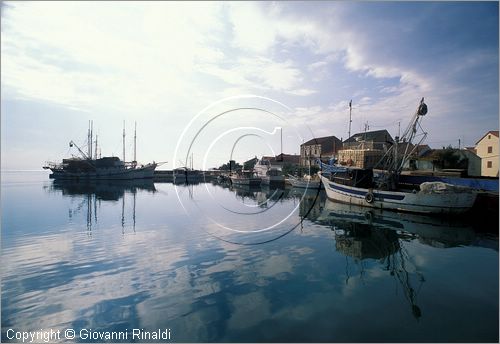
point(89, 166)
point(358, 186)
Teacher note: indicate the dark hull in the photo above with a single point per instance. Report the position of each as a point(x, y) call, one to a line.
point(106, 173)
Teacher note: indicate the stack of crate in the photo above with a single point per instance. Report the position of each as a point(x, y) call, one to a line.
point(362, 158)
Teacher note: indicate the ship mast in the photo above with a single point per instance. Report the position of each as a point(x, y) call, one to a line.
point(124, 141)
point(135, 144)
point(91, 137)
point(95, 154)
point(88, 143)
point(394, 160)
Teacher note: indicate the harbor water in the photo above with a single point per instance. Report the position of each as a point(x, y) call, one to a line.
point(213, 263)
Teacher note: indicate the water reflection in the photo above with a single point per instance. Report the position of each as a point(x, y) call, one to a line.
point(344, 274)
point(106, 190)
point(91, 194)
point(363, 234)
point(433, 231)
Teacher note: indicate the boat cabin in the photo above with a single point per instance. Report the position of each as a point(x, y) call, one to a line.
point(357, 177)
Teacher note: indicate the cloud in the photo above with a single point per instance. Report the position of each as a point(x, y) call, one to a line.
point(261, 74)
point(83, 53)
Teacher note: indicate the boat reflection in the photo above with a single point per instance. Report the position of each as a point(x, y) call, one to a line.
point(312, 202)
point(364, 235)
point(106, 190)
point(265, 196)
point(92, 193)
point(429, 230)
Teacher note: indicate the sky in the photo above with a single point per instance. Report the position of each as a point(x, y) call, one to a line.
point(207, 82)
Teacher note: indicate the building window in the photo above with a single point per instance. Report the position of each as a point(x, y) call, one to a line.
point(489, 164)
point(490, 149)
point(489, 137)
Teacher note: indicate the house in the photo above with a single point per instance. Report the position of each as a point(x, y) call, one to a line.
point(471, 149)
point(321, 147)
point(487, 149)
point(463, 162)
point(365, 150)
point(378, 139)
point(421, 150)
point(281, 159)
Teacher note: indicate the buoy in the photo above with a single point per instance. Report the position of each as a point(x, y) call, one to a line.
point(369, 197)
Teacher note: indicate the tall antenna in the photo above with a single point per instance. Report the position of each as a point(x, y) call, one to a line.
point(350, 120)
point(135, 142)
point(123, 141)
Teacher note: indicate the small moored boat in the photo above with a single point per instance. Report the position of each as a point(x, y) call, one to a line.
point(245, 178)
point(268, 173)
point(305, 182)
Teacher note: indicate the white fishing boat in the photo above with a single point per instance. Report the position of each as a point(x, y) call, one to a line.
point(306, 182)
point(357, 186)
point(248, 178)
point(268, 173)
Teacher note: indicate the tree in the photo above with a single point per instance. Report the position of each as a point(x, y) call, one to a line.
point(448, 158)
point(226, 167)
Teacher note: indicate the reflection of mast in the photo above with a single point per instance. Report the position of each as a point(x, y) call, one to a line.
point(133, 211)
point(402, 275)
point(190, 189)
point(123, 214)
point(363, 241)
point(89, 214)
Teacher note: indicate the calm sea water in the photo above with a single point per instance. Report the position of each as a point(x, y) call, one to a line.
point(211, 263)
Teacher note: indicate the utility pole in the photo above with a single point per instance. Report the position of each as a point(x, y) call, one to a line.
point(350, 120)
point(458, 143)
point(281, 133)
